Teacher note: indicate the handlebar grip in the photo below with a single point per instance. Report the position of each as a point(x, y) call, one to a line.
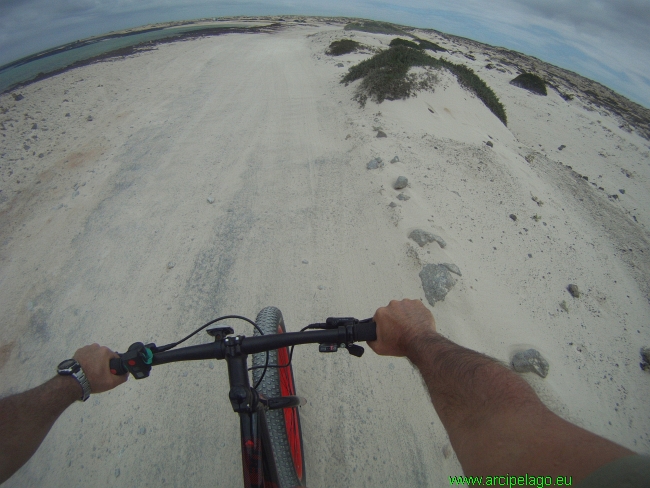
point(365, 332)
point(117, 368)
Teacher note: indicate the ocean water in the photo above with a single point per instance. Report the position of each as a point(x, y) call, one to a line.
point(17, 74)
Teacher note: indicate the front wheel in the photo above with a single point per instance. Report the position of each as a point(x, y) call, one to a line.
point(283, 424)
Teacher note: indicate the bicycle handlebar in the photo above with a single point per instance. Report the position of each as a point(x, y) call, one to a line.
point(344, 331)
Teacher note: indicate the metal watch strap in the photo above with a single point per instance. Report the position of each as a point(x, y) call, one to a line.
point(80, 376)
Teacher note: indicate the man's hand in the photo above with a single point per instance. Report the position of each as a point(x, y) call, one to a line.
point(399, 324)
point(94, 361)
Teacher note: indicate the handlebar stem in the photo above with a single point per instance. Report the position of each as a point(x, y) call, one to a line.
point(243, 398)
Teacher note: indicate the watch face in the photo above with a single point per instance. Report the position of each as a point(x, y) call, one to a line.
point(67, 366)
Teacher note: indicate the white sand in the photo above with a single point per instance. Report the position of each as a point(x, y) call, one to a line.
point(261, 123)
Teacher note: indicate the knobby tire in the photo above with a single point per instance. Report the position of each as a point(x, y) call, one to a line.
point(284, 425)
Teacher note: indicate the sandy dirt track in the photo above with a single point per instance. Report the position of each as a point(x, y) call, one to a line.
point(262, 124)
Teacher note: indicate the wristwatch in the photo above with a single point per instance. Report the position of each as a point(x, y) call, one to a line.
point(71, 367)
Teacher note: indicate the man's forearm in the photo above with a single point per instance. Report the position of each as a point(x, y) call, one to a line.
point(495, 419)
point(26, 418)
point(467, 387)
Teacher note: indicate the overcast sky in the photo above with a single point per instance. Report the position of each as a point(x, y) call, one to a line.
point(605, 40)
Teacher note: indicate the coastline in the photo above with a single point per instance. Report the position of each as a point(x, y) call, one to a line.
point(125, 51)
point(72, 45)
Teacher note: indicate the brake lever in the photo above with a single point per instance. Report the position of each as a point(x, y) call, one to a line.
point(355, 350)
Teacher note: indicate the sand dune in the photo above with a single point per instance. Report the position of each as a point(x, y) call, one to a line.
point(106, 235)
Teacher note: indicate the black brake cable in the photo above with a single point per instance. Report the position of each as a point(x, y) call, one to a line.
point(267, 365)
point(174, 344)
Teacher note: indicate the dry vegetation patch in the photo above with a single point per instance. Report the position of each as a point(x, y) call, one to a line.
point(385, 76)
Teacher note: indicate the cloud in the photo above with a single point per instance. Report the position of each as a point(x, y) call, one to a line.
point(626, 18)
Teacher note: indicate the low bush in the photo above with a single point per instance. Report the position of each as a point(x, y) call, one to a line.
point(432, 46)
point(385, 77)
point(343, 46)
point(530, 82)
point(374, 27)
point(403, 42)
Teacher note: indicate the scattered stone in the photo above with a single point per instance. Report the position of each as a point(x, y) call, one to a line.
point(171, 264)
point(530, 361)
point(142, 430)
point(321, 287)
point(68, 114)
point(585, 178)
point(381, 133)
point(645, 358)
point(402, 196)
point(561, 147)
point(513, 217)
point(210, 199)
point(489, 143)
point(393, 204)
point(375, 163)
point(17, 96)
point(453, 268)
point(117, 472)
point(347, 137)
point(396, 160)
point(622, 192)
point(89, 118)
point(431, 110)
point(340, 65)
point(530, 255)
point(573, 289)
point(41, 155)
point(34, 126)
point(401, 182)
point(304, 261)
point(436, 282)
point(423, 237)
point(564, 306)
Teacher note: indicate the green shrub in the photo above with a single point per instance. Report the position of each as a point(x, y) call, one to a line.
point(397, 59)
point(385, 77)
point(530, 82)
point(470, 80)
point(424, 44)
point(343, 46)
point(403, 42)
point(374, 27)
